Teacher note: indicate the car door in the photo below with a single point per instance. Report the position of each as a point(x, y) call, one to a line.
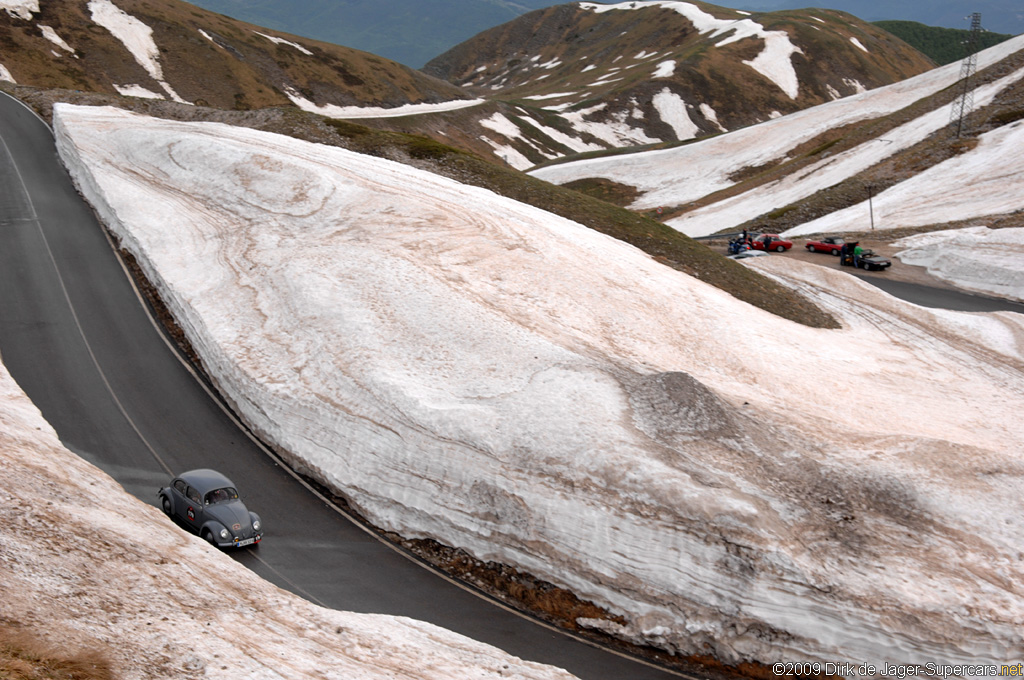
point(192, 509)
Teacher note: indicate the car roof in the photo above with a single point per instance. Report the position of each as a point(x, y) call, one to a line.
point(204, 480)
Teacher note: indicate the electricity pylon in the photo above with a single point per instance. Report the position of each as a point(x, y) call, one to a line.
point(964, 101)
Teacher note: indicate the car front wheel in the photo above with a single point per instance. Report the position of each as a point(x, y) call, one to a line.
point(208, 537)
point(165, 503)
point(835, 252)
point(810, 248)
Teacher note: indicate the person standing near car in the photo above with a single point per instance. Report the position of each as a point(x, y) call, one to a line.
point(856, 255)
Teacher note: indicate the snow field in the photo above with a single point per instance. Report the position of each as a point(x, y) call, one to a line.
point(470, 369)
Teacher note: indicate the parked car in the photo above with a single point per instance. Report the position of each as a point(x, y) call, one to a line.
point(871, 262)
point(206, 503)
point(867, 259)
point(829, 244)
point(769, 242)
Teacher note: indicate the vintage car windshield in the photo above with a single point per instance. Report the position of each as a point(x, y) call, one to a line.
point(221, 495)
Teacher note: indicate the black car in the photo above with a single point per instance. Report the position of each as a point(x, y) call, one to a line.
point(206, 502)
point(871, 262)
point(866, 260)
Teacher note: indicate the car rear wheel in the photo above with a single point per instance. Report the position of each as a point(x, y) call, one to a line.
point(779, 249)
point(165, 503)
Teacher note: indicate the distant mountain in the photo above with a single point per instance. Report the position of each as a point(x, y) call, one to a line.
point(408, 31)
point(170, 49)
point(942, 45)
point(999, 16)
point(584, 77)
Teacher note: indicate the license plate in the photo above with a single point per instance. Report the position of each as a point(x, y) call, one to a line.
point(244, 542)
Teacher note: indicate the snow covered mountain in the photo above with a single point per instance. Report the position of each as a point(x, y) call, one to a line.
point(467, 368)
point(816, 170)
point(586, 76)
point(168, 49)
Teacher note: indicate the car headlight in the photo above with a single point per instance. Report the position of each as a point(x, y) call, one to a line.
point(256, 525)
point(225, 534)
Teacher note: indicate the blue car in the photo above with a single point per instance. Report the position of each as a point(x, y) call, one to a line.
point(206, 503)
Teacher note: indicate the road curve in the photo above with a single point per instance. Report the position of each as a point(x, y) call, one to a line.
point(76, 338)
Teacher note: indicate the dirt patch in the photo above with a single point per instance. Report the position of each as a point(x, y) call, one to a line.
point(26, 656)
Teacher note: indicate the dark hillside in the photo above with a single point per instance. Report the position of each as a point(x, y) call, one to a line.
point(942, 45)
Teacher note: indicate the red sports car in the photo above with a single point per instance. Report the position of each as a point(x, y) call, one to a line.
point(829, 244)
point(769, 242)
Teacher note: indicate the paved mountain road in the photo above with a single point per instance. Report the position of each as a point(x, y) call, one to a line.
point(77, 340)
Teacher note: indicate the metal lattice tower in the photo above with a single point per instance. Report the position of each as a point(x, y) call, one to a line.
point(964, 101)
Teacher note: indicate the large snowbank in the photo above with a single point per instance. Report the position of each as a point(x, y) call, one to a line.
point(121, 580)
point(977, 258)
point(471, 369)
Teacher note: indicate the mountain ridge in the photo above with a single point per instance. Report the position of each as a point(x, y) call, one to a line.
point(171, 49)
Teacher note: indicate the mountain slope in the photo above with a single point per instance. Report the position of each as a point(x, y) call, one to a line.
point(172, 50)
point(645, 72)
point(785, 172)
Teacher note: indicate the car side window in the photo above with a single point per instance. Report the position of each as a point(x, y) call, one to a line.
point(180, 486)
point(193, 495)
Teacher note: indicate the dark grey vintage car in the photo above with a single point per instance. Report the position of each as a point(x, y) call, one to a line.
point(206, 502)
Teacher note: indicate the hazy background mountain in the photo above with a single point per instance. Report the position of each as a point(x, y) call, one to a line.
point(413, 32)
point(408, 31)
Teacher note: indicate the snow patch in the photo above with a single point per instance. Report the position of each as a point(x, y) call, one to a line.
point(665, 69)
point(711, 115)
point(52, 36)
point(136, 36)
point(672, 109)
point(137, 91)
point(282, 41)
point(352, 112)
point(6, 75)
point(20, 9)
point(859, 44)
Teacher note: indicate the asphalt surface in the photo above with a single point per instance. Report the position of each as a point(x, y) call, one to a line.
point(76, 338)
point(79, 342)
